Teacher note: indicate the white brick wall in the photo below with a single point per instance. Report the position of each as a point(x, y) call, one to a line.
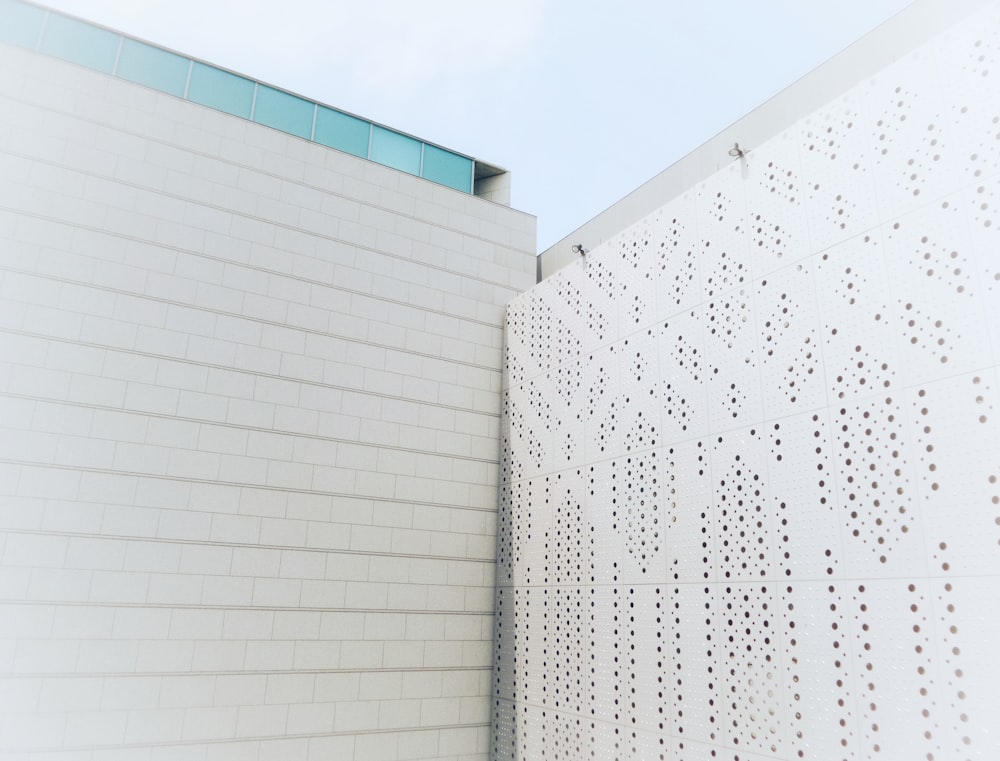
point(249, 399)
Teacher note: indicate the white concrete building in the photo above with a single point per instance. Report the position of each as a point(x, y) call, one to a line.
point(267, 369)
point(249, 400)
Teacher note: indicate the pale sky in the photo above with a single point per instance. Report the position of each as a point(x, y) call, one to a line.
point(581, 100)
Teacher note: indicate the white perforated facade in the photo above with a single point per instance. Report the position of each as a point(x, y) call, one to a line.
point(751, 447)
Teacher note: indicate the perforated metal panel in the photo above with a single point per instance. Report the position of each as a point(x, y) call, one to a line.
point(751, 505)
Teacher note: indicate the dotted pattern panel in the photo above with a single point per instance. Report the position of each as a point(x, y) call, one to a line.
point(723, 256)
point(965, 57)
point(775, 191)
point(683, 377)
point(743, 530)
point(676, 255)
point(914, 154)
point(569, 404)
point(982, 202)
point(789, 335)
point(837, 167)
point(603, 422)
point(751, 505)
point(637, 302)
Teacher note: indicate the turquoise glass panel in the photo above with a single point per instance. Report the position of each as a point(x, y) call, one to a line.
point(20, 23)
point(283, 111)
point(159, 69)
point(219, 89)
point(80, 43)
point(342, 131)
point(395, 150)
point(447, 168)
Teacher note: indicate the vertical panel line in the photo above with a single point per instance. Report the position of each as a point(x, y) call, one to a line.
point(118, 55)
point(42, 29)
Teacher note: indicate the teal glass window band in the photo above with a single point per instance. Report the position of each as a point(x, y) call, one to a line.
point(283, 111)
point(447, 168)
point(21, 24)
point(220, 89)
point(395, 150)
point(81, 43)
point(153, 67)
point(342, 131)
point(36, 28)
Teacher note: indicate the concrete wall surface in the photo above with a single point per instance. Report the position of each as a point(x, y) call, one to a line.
point(751, 448)
point(249, 400)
